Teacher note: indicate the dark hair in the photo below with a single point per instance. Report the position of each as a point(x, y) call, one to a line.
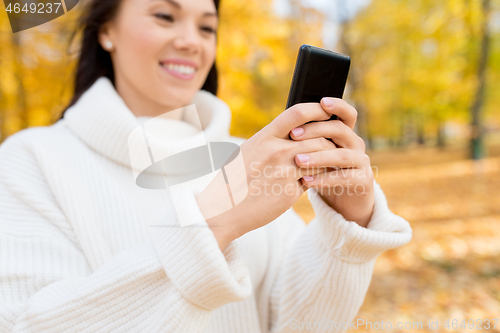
point(94, 61)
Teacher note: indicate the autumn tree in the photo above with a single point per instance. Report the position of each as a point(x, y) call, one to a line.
point(418, 63)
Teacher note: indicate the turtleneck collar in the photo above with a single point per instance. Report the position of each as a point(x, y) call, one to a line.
point(101, 119)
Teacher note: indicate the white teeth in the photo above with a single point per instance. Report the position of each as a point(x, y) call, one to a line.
point(182, 69)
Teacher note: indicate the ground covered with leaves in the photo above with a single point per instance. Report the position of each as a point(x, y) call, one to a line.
point(450, 271)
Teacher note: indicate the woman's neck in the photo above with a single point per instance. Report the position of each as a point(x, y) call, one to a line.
point(143, 107)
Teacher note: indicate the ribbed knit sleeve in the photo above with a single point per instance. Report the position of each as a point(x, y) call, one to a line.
point(325, 273)
point(171, 282)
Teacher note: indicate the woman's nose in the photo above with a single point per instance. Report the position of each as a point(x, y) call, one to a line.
point(188, 39)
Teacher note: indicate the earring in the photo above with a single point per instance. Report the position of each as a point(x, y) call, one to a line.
point(108, 45)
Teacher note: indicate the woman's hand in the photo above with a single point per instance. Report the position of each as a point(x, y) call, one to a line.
point(272, 178)
point(346, 183)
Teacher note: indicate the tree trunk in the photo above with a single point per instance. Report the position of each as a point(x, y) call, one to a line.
point(18, 73)
point(355, 83)
point(477, 133)
point(420, 130)
point(441, 140)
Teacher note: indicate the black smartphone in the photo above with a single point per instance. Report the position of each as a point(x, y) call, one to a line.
point(318, 73)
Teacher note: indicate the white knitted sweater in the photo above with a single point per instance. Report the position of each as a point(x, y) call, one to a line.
point(80, 250)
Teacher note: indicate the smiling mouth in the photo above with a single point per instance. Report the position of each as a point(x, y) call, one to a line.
point(181, 71)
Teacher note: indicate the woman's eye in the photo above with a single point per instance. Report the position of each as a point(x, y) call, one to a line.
point(165, 17)
point(209, 30)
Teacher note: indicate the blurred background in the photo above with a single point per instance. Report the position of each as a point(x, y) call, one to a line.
point(425, 79)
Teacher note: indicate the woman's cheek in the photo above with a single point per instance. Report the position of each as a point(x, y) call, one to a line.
point(209, 56)
point(143, 37)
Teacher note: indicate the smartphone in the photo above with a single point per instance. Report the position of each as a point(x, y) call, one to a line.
point(318, 73)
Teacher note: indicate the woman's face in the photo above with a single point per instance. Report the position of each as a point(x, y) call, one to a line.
point(162, 51)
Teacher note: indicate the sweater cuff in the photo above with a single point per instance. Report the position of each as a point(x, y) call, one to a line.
point(194, 262)
point(353, 243)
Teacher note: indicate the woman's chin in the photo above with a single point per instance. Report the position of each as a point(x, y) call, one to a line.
point(178, 97)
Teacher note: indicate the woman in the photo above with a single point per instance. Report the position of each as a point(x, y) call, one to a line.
point(84, 249)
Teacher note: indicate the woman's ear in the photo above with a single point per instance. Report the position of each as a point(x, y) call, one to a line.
point(105, 38)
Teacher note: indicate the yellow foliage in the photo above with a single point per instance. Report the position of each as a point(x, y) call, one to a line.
point(418, 58)
point(256, 57)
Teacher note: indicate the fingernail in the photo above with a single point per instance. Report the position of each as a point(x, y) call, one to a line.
point(329, 102)
point(298, 131)
point(303, 158)
point(308, 178)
